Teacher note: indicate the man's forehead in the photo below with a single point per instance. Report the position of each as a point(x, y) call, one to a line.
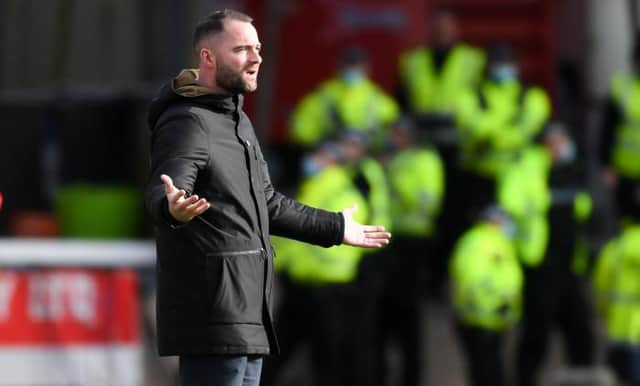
point(237, 32)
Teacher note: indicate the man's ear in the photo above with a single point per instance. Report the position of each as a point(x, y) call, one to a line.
point(207, 57)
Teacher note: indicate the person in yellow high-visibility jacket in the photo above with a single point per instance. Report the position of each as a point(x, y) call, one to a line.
point(556, 264)
point(324, 301)
point(487, 281)
point(432, 78)
point(349, 101)
point(617, 294)
point(497, 123)
point(620, 142)
point(400, 276)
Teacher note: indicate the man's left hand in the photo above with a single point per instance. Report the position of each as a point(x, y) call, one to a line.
point(358, 235)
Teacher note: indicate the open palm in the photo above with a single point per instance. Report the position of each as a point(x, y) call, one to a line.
point(181, 208)
point(358, 235)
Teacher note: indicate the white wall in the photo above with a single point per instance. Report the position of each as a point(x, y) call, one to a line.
point(610, 42)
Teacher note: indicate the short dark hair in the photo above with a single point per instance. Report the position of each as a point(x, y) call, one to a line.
point(213, 24)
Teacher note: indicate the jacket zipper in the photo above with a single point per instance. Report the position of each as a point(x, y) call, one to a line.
point(235, 253)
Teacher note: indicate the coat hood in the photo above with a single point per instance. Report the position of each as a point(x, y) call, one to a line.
point(185, 89)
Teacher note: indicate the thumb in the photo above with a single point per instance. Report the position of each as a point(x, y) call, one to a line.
point(350, 211)
point(168, 184)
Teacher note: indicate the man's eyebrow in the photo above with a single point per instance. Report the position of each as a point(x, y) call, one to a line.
point(242, 46)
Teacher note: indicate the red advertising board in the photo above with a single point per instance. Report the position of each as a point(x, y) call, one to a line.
point(69, 326)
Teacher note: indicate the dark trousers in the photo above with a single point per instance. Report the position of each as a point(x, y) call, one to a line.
point(397, 281)
point(218, 370)
point(484, 352)
point(628, 198)
point(327, 318)
point(625, 362)
point(553, 297)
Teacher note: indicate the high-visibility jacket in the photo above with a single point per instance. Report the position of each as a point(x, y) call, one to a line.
point(617, 287)
point(487, 278)
point(433, 91)
point(416, 183)
point(625, 90)
point(523, 191)
point(336, 107)
point(335, 188)
point(497, 123)
point(582, 211)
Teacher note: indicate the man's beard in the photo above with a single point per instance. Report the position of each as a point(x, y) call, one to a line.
point(232, 81)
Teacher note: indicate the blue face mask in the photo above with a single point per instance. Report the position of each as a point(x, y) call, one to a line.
point(352, 76)
point(310, 166)
point(567, 153)
point(504, 73)
point(508, 228)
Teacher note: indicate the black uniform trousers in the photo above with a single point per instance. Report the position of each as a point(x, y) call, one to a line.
point(327, 318)
point(553, 297)
point(484, 352)
point(627, 197)
point(397, 279)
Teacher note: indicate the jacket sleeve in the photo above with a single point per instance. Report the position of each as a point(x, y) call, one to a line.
point(292, 219)
point(179, 149)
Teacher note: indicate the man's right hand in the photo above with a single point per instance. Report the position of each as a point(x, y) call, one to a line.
point(181, 208)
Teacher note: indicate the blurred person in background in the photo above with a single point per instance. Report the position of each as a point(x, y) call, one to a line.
point(555, 288)
point(487, 282)
point(620, 142)
point(415, 173)
point(432, 79)
point(497, 122)
point(617, 293)
point(214, 207)
point(349, 101)
point(325, 302)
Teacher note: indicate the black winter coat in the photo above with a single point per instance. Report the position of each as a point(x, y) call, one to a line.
point(215, 273)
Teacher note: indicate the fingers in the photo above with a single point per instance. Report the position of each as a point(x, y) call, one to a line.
point(175, 197)
point(168, 184)
point(201, 207)
point(197, 206)
point(374, 243)
point(373, 228)
point(378, 235)
point(184, 209)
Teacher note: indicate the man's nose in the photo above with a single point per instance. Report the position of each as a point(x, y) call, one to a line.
point(255, 57)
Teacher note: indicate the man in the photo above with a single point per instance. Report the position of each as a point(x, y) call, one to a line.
point(620, 144)
point(325, 303)
point(554, 292)
point(617, 293)
point(497, 123)
point(415, 174)
point(212, 201)
point(432, 79)
point(487, 294)
point(347, 102)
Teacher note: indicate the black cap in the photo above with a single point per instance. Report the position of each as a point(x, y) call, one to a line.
point(501, 52)
point(353, 56)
